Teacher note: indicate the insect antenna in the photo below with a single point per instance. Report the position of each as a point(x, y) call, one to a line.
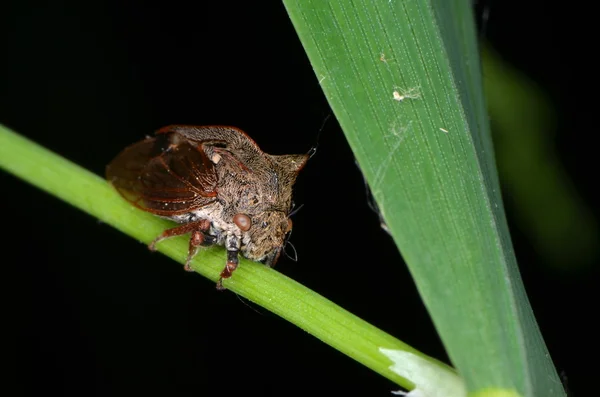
point(287, 243)
point(313, 149)
point(294, 211)
point(287, 254)
point(248, 305)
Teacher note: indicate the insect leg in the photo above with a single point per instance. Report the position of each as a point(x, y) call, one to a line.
point(197, 239)
point(202, 224)
point(232, 244)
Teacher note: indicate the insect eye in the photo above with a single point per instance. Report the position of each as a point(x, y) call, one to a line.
point(242, 221)
point(264, 224)
point(289, 226)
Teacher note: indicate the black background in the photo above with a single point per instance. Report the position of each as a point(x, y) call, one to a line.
point(90, 311)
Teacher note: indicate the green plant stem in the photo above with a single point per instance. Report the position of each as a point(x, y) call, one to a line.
point(261, 285)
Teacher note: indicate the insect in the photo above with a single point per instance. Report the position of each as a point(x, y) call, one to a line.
point(217, 184)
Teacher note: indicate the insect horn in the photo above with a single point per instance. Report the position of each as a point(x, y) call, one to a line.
point(290, 164)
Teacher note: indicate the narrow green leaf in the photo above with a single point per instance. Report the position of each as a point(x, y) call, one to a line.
point(403, 78)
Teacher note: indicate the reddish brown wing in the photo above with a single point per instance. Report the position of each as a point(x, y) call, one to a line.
point(165, 175)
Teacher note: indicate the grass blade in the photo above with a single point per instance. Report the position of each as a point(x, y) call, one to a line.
point(403, 78)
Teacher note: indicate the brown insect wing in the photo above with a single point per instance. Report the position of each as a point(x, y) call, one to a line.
point(165, 175)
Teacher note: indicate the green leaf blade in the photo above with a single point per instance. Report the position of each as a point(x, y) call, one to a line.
point(403, 79)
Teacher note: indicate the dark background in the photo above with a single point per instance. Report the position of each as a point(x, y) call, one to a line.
point(90, 311)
